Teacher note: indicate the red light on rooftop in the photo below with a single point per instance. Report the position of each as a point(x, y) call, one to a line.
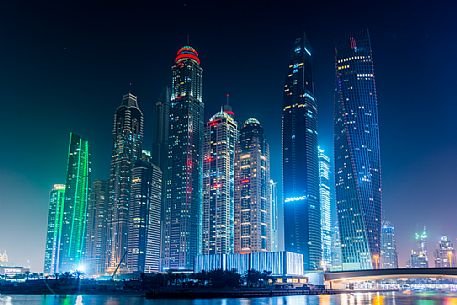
point(187, 53)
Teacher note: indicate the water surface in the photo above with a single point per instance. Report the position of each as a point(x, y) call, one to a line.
point(343, 299)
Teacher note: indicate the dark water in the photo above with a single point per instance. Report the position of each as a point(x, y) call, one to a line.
point(344, 299)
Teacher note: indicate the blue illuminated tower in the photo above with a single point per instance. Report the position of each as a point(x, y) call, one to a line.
point(300, 168)
point(357, 153)
point(182, 210)
point(325, 200)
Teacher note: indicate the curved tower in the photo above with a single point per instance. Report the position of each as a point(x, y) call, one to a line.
point(182, 209)
point(357, 154)
point(300, 176)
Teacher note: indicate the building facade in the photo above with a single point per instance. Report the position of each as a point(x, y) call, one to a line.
point(389, 255)
point(419, 256)
point(275, 223)
point(278, 263)
point(182, 211)
point(95, 258)
point(77, 189)
point(357, 153)
point(126, 150)
point(337, 263)
point(54, 232)
point(252, 190)
point(160, 132)
point(144, 242)
point(221, 136)
point(445, 254)
point(300, 168)
point(325, 201)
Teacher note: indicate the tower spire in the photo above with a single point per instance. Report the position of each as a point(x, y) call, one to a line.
point(227, 108)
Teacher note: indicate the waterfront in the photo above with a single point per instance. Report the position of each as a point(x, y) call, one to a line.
point(342, 299)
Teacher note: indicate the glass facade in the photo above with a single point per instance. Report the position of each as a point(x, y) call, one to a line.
point(278, 263)
point(389, 257)
point(445, 254)
point(55, 218)
point(357, 153)
point(325, 200)
point(300, 168)
point(183, 203)
point(126, 150)
point(77, 188)
point(221, 136)
point(144, 218)
point(274, 208)
point(97, 229)
point(419, 256)
point(252, 190)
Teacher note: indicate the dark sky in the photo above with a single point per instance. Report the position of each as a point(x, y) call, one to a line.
point(65, 66)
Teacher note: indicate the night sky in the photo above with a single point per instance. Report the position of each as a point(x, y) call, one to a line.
point(65, 66)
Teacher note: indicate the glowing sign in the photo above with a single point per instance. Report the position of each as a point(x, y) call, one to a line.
point(292, 199)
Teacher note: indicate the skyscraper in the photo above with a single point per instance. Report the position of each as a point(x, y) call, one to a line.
point(419, 256)
point(274, 208)
point(252, 190)
point(337, 263)
point(389, 256)
point(144, 217)
point(77, 188)
point(221, 136)
point(127, 142)
point(182, 211)
point(160, 139)
point(152, 261)
point(300, 168)
point(325, 200)
point(445, 254)
point(357, 153)
point(95, 257)
point(55, 218)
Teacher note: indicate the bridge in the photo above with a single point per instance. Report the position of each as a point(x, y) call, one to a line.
point(339, 279)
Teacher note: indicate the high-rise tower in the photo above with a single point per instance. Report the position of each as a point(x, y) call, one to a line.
point(221, 136)
point(252, 190)
point(182, 211)
point(144, 217)
point(77, 188)
point(389, 256)
point(97, 229)
point(55, 218)
point(357, 153)
point(300, 168)
point(274, 209)
point(127, 142)
point(445, 254)
point(325, 200)
point(161, 122)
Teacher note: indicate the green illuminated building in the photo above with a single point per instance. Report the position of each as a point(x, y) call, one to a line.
point(75, 205)
point(55, 217)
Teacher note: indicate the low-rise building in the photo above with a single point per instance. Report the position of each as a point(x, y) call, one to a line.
point(284, 266)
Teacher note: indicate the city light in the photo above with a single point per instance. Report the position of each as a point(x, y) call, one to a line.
point(292, 199)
